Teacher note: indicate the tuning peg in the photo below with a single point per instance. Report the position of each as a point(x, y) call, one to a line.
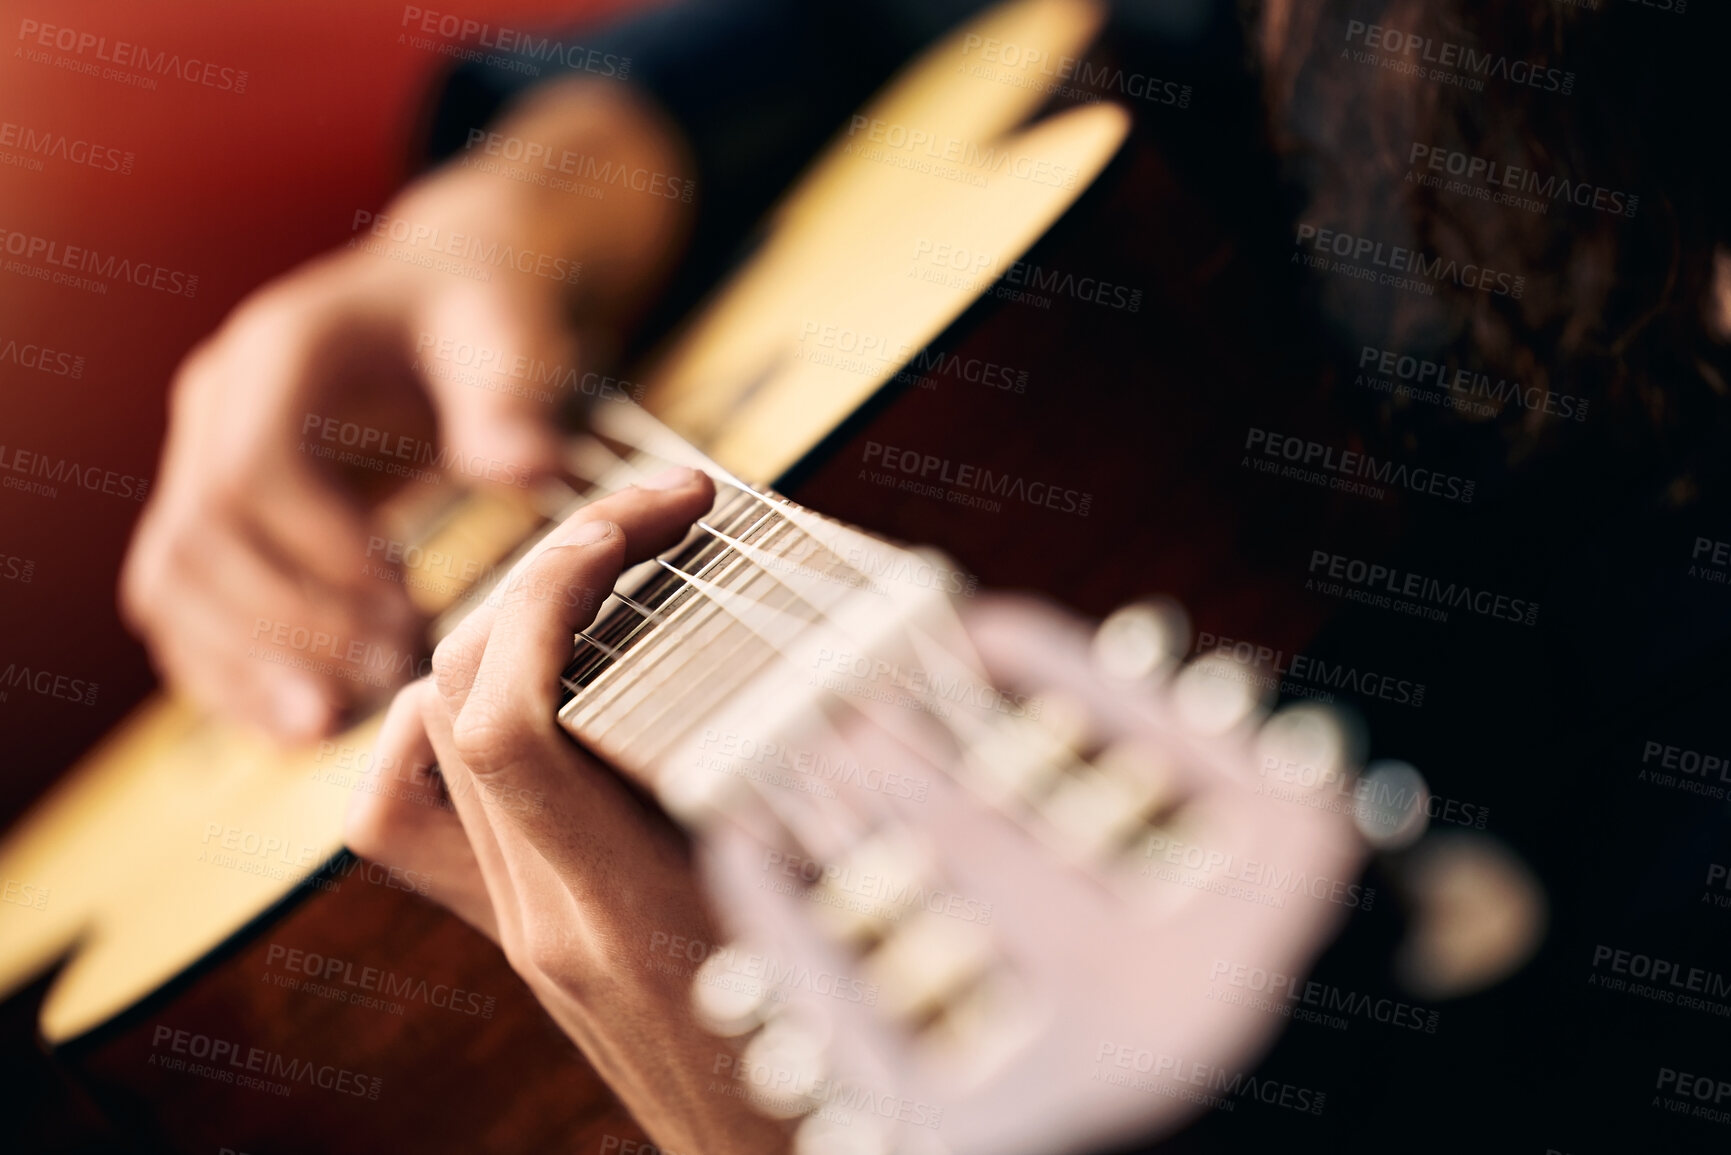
point(1393, 805)
point(1215, 694)
point(925, 961)
point(727, 1003)
point(1308, 747)
point(1016, 760)
point(1142, 640)
point(791, 1054)
point(859, 1134)
point(862, 897)
point(1101, 806)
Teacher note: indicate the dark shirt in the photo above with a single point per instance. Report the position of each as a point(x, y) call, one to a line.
point(1539, 735)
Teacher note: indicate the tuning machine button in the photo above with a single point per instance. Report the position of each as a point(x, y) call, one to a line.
point(1216, 694)
point(1393, 805)
point(859, 1134)
point(1307, 747)
point(726, 1002)
point(925, 962)
point(787, 1062)
point(862, 896)
point(1142, 640)
point(1102, 805)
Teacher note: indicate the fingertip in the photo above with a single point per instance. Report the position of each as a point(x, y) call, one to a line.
point(673, 478)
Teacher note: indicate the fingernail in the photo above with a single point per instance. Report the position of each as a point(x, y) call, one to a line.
point(677, 477)
point(591, 532)
point(300, 709)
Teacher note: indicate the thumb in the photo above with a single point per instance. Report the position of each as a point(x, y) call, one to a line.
point(497, 367)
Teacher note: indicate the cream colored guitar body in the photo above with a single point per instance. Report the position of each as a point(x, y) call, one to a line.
point(178, 830)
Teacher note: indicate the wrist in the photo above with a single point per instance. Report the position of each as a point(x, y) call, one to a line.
point(582, 170)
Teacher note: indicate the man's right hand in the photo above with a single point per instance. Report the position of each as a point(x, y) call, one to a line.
point(250, 576)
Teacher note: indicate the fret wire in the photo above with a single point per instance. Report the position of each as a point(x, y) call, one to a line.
point(800, 817)
point(593, 665)
point(819, 828)
point(659, 595)
point(655, 648)
point(619, 700)
point(661, 704)
point(585, 668)
point(616, 627)
point(686, 712)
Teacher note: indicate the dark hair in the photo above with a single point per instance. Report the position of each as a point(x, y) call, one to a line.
point(1617, 308)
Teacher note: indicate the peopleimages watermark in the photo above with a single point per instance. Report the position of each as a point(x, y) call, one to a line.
point(799, 768)
point(1517, 186)
point(42, 359)
point(136, 65)
point(961, 483)
point(1449, 62)
point(1022, 282)
point(1660, 980)
point(1697, 1096)
point(462, 253)
point(736, 969)
point(26, 894)
point(85, 269)
point(845, 672)
point(933, 153)
point(860, 351)
point(40, 474)
point(1207, 1084)
point(508, 49)
point(763, 1080)
point(1710, 561)
point(1415, 595)
point(1070, 77)
point(380, 450)
point(26, 147)
point(17, 678)
point(1371, 800)
point(1311, 1001)
point(1302, 676)
point(535, 155)
point(226, 1061)
point(374, 988)
point(618, 1145)
point(17, 569)
point(1205, 868)
point(356, 659)
point(877, 895)
point(1686, 770)
point(1346, 470)
point(1464, 390)
point(1718, 884)
point(1397, 266)
point(501, 371)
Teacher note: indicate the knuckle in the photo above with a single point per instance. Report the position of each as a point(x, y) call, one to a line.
point(455, 661)
point(492, 735)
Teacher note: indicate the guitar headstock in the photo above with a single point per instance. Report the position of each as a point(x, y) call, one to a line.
point(982, 868)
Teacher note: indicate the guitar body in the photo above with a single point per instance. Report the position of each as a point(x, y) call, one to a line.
point(1081, 448)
